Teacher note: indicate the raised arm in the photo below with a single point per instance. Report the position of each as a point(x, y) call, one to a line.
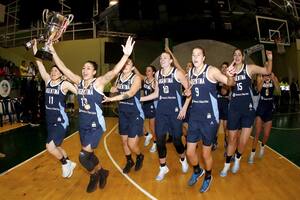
point(127, 50)
point(66, 71)
point(44, 74)
point(67, 86)
point(275, 81)
point(175, 61)
point(135, 87)
point(259, 83)
point(255, 69)
point(216, 75)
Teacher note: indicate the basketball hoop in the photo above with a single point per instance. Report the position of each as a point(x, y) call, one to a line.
point(280, 46)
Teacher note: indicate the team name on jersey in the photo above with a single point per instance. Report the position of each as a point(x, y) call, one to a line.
point(197, 81)
point(240, 77)
point(165, 80)
point(123, 86)
point(85, 91)
point(52, 91)
point(147, 86)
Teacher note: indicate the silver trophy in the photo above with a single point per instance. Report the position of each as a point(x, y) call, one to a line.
point(55, 25)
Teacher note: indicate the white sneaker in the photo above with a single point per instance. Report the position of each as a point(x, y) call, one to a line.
point(184, 165)
point(261, 151)
point(148, 139)
point(236, 165)
point(224, 171)
point(251, 158)
point(162, 172)
point(72, 167)
point(66, 170)
point(153, 148)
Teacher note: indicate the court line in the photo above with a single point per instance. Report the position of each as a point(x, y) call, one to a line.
point(280, 155)
point(286, 129)
point(292, 113)
point(29, 159)
point(120, 170)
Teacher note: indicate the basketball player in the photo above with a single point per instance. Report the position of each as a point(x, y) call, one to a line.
point(241, 112)
point(168, 92)
point(149, 106)
point(131, 115)
point(204, 116)
point(91, 120)
point(56, 117)
point(265, 85)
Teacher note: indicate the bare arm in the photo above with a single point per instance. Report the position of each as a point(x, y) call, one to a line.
point(66, 71)
point(259, 83)
point(67, 86)
point(216, 75)
point(275, 81)
point(127, 50)
point(135, 87)
point(176, 63)
point(183, 110)
point(136, 71)
point(255, 69)
point(44, 74)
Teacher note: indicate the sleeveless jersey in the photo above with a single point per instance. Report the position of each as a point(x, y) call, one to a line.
point(147, 87)
point(170, 94)
point(204, 105)
point(133, 104)
point(266, 94)
point(55, 104)
point(93, 116)
point(241, 96)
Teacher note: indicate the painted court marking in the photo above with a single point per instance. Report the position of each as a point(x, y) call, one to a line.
point(285, 129)
point(29, 159)
point(121, 171)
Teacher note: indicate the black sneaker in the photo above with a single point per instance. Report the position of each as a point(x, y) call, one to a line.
point(92, 186)
point(128, 166)
point(139, 162)
point(103, 176)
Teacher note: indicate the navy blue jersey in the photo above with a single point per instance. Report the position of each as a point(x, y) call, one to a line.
point(148, 89)
point(241, 96)
point(170, 93)
point(90, 107)
point(55, 104)
point(204, 105)
point(266, 94)
point(223, 93)
point(133, 104)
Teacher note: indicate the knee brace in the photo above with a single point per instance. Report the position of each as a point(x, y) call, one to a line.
point(178, 145)
point(88, 160)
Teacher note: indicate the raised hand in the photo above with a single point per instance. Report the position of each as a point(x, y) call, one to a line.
point(34, 47)
point(231, 70)
point(269, 55)
point(127, 49)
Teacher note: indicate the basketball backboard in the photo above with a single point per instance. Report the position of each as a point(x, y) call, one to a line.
point(272, 30)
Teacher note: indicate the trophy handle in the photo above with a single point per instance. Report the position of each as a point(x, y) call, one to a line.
point(45, 15)
point(70, 18)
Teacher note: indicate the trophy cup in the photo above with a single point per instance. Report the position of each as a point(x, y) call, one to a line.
point(55, 25)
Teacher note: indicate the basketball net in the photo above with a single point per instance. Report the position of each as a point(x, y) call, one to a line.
point(280, 46)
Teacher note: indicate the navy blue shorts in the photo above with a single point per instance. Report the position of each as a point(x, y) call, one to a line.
point(57, 133)
point(168, 123)
point(149, 111)
point(90, 136)
point(130, 124)
point(202, 130)
point(264, 113)
point(240, 119)
point(223, 110)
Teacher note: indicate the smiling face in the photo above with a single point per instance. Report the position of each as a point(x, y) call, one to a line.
point(165, 60)
point(238, 56)
point(198, 57)
point(88, 71)
point(55, 74)
point(149, 72)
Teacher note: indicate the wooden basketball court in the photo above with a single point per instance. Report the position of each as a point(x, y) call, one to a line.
point(273, 177)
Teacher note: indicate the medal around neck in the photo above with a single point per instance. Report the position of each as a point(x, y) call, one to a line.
point(87, 106)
